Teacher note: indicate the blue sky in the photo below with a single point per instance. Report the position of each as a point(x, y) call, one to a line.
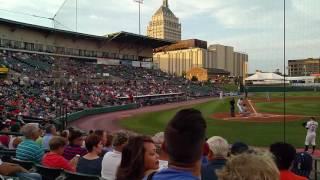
point(252, 26)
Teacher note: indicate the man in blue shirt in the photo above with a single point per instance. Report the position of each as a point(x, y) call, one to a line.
point(50, 132)
point(218, 152)
point(184, 142)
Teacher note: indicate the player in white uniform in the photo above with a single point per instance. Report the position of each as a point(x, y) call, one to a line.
point(239, 104)
point(311, 126)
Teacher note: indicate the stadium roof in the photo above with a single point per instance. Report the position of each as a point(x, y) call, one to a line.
point(121, 37)
point(138, 39)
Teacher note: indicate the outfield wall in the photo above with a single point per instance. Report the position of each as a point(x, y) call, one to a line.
point(281, 88)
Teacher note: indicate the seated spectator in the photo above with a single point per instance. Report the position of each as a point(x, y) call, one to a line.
point(15, 140)
point(54, 158)
point(158, 140)
point(249, 166)
point(239, 148)
point(10, 169)
point(112, 159)
point(139, 157)
point(284, 155)
point(218, 152)
point(28, 150)
point(65, 134)
point(74, 148)
point(50, 131)
point(4, 139)
point(302, 164)
point(103, 135)
point(109, 142)
point(91, 162)
point(184, 141)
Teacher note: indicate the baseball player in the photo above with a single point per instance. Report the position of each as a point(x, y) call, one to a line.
point(239, 104)
point(311, 127)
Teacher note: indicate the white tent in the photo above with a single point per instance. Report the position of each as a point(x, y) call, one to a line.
point(266, 78)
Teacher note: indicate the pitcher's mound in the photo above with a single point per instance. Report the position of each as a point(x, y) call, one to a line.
point(258, 117)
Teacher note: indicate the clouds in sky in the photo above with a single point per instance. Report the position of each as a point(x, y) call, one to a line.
point(252, 26)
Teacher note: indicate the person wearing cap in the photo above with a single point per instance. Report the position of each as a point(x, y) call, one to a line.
point(239, 148)
point(112, 159)
point(217, 157)
point(28, 149)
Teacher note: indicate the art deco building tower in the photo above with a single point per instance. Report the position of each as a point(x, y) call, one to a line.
point(164, 24)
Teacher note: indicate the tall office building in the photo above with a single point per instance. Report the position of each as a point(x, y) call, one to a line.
point(164, 24)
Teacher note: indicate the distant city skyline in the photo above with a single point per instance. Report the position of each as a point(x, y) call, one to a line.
point(252, 26)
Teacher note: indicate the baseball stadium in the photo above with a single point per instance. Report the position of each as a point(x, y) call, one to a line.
point(128, 106)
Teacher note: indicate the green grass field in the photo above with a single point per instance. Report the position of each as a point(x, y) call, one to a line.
point(257, 134)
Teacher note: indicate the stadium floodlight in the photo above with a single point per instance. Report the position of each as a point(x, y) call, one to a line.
point(139, 2)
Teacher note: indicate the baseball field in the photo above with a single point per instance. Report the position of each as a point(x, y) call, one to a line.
point(265, 125)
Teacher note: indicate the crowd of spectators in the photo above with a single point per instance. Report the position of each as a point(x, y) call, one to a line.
point(38, 85)
point(181, 152)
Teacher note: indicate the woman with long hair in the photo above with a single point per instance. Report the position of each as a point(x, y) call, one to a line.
point(139, 158)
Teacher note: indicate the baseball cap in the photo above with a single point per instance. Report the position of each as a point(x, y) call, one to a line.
point(238, 148)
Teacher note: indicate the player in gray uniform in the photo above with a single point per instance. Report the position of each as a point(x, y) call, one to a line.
point(311, 127)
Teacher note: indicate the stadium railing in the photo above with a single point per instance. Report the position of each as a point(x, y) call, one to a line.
point(87, 112)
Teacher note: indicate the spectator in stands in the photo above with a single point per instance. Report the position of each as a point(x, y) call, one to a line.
point(249, 166)
point(158, 140)
point(302, 164)
point(74, 148)
point(54, 158)
point(15, 140)
point(109, 147)
point(239, 148)
point(284, 155)
point(4, 139)
point(50, 131)
point(91, 162)
point(103, 135)
point(139, 158)
point(184, 142)
point(65, 134)
point(218, 152)
point(112, 159)
point(10, 169)
point(28, 149)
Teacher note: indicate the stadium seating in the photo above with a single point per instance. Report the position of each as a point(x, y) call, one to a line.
point(76, 176)
point(25, 164)
point(48, 173)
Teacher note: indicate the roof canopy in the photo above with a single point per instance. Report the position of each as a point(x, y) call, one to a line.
point(124, 37)
point(260, 76)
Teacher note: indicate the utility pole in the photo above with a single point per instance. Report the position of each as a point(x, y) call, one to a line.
point(139, 2)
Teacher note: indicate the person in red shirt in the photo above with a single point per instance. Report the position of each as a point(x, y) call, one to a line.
point(284, 155)
point(55, 159)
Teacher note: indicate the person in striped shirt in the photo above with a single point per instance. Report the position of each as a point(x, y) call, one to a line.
point(28, 149)
point(76, 140)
